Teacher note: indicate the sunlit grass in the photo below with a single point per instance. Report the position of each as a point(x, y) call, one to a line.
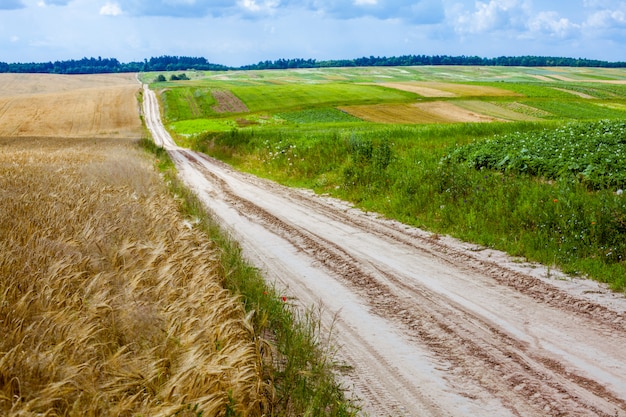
point(286, 97)
point(402, 172)
point(193, 126)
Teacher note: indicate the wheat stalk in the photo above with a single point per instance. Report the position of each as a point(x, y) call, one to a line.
point(109, 303)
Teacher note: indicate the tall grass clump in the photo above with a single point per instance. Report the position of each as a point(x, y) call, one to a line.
point(110, 303)
point(297, 359)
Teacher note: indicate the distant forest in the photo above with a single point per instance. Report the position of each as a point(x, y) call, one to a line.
point(181, 63)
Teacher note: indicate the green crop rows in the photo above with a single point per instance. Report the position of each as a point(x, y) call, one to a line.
point(594, 153)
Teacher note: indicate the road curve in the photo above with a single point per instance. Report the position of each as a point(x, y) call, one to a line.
point(425, 326)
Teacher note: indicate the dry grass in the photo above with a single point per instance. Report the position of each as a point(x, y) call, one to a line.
point(430, 112)
point(502, 111)
point(576, 93)
point(109, 302)
point(69, 106)
point(439, 89)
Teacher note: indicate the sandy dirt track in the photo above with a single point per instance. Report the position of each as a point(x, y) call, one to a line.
point(427, 326)
point(69, 105)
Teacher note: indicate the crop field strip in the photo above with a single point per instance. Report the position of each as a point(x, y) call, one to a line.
point(110, 302)
point(517, 96)
point(438, 89)
point(430, 112)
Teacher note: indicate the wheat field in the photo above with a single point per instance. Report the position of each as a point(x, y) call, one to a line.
point(110, 302)
point(69, 106)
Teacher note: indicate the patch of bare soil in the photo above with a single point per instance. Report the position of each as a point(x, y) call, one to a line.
point(452, 113)
point(227, 102)
point(429, 112)
point(618, 82)
point(422, 90)
point(563, 78)
point(542, 78)
point(424, 325)
point(393, 113)
point(576, 93)
point(441, 89)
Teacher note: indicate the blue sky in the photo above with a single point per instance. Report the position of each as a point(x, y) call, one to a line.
point(239, 32)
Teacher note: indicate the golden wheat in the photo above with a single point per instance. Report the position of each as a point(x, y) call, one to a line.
point(109, 301)
point(69, 106)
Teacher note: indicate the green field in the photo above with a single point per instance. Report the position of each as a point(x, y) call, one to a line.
point(540, 177)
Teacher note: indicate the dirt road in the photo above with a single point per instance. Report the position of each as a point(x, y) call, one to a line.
point(426, 326)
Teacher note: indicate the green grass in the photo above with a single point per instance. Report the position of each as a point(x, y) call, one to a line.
point(226, 79)
point(281, 98)
point(574, 109)
point(193, 126)
point(404, 171)
point(185, 103)
point(322, 115)
point(531, 90)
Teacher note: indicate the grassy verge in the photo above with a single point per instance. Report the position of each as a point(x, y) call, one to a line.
point(299, 363)
point(404, 173)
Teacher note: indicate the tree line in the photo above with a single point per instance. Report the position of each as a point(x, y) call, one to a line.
point(183, 63)
point(111, 65)
point(417, 60)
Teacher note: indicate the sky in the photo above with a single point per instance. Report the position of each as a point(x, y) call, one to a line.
point(240, 32)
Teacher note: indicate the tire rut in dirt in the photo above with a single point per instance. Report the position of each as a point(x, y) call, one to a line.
point(477, 352)
point(524, 284)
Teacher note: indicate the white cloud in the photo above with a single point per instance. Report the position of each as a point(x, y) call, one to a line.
point(606, 19)
point(252, 6)
point(111, 9)
point(552, 24)
point(415, 11)
point(180, 2)
point(238, 32)
point(180, 8)
point(601, 4)
point(495, 15)
point(45, 3)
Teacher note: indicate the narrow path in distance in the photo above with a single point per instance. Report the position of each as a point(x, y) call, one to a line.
point(425, 326)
